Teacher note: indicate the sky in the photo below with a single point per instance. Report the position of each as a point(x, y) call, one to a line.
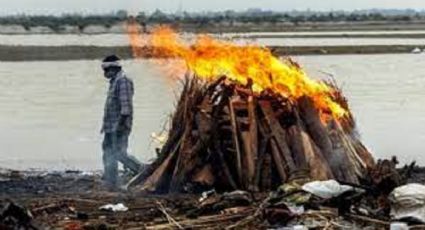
point(133, 6)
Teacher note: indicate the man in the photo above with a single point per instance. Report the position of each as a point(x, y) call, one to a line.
point(117, 120)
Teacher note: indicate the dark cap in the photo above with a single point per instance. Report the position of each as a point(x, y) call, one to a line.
point(111, 58)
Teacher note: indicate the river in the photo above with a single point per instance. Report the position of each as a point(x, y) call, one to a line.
point(51, 112)
point(266, 39)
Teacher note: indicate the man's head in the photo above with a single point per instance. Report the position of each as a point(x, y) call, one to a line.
point(111, 66)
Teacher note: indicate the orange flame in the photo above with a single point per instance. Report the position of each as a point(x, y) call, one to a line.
point(136, 41)
point(210, 59)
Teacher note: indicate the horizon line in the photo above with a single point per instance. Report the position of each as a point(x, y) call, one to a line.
point(179, 11)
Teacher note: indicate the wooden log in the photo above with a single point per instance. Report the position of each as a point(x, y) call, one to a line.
point(296, 145)
point(224, 168)
point(188, 155)
point(278, 133)
point(243, 122)
point(186, 162)
point(265, 151)
point(194, 148)
point(253, 137)
point(247, 161)
point(276, 156)
point(248, 132)
point(320, 136)
point(152, 183)
point(311, 118)
point(279, 161)
point(235, 132)
point(319, 167)
point(260, 164)
point(354, 148)
point(173, 141)
point(266, 173)
point(203, 119)
point(350, 167)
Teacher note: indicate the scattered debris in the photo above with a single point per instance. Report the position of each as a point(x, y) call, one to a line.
point(14, 216)
point(205, 195)
point(288, 206)
point(399, 226)
point(120, 207)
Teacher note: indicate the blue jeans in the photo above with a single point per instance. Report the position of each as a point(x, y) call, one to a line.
point(114, 148)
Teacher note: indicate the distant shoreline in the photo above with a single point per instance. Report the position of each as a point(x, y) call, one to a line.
point(223, 27)
point(63, 53)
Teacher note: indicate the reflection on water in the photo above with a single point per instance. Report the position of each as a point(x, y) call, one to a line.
point(50, 112)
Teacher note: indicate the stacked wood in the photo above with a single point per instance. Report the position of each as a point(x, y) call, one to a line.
point(225, 136)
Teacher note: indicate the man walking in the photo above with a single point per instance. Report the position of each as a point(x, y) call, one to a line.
point(117, 120)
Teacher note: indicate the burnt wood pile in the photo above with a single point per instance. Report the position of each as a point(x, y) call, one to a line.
point(225, 136)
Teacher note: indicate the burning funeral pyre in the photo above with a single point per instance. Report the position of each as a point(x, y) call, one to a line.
point(248, 120)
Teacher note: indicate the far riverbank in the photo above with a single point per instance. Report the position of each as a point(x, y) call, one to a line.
point(212, 27)
point(53, 53)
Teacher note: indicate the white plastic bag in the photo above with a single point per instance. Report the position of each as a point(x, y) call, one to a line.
point(408, 201)
point(114, 207)
point(326, 189)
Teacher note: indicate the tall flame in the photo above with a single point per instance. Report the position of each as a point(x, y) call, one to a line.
point(210, 59)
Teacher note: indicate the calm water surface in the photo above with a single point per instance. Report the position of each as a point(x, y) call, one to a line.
point(50, 112)
point(387, 96)
point(122, 39)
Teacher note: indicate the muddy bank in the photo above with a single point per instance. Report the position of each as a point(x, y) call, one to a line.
point(342, 34)
point(54, 53)
point(72, 200)
point(19, 184)
point(301, 27)
point(336, 50)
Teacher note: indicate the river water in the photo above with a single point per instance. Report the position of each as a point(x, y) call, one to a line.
point(241, 38)
point(50, 112)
